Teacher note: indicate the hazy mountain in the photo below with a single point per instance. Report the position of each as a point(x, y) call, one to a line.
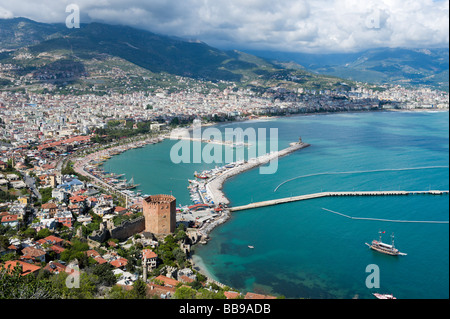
point(384, 65)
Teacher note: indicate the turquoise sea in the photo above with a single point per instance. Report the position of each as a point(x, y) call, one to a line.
point(303, 251)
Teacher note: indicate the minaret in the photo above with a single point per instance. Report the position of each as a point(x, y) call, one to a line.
point(144, 271)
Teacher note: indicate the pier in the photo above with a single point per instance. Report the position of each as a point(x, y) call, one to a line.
point(334, 194)
point(215, 184)
point(217, 142)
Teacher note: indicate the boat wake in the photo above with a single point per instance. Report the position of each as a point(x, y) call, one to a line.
point(360, 172)
point(387, 220)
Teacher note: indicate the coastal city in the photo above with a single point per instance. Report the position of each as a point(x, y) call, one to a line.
point(223, 157)
point(57, 201)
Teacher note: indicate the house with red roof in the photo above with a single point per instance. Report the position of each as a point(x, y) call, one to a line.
point(33, 254)
point(151, 258)
point(55, 267)
point(251, 295)
point(168, 282)
point(160, 291)
point(231, 294)
point(10, 220)
point(96, 256)
point(57, 250)
point(92, 253)
point(119, 263)
point(54, 240)
point(26, 268)
point(118, 210)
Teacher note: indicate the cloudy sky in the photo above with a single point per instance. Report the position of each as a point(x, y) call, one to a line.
point(320, 26)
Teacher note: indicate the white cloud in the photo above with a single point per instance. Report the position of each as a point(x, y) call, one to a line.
point(5, 14)
point(290, 25)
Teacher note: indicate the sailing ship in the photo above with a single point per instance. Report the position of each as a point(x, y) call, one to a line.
point(384, 248)
point(128, 185)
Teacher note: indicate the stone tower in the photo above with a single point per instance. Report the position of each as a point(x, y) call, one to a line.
point(160, 214)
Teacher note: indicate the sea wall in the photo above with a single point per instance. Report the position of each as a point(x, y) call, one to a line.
point(215, 185)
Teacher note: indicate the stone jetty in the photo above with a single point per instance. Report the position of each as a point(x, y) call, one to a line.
point(215, 184)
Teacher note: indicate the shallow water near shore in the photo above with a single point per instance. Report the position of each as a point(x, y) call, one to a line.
point(303, 251)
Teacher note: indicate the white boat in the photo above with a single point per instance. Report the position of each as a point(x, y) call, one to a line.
point(384, 296)
point(385, 248)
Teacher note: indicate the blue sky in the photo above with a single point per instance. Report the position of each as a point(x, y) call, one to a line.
point(320, 26)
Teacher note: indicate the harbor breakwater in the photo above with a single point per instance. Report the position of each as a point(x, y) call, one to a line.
point(215, 185)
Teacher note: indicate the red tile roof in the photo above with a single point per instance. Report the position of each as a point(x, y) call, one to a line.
point(57, 249)
point(9, 218)
point(32, 252)
point(92, 253)
point(251, 295)
point(119, 262)
point(231, 294)
point(149, 254)
point(55, 267)
point(167, 281)
point(26, 267)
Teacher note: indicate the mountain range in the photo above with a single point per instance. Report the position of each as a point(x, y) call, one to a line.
point(97, 49)
point(410, 67)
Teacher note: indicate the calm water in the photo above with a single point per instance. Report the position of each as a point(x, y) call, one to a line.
point(303, 251)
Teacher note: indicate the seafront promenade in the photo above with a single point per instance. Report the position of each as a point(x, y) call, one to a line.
point(333, 194)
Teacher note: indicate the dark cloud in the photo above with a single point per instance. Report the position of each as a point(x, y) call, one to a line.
point(289, 25)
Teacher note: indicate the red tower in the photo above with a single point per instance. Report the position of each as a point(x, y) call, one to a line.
point(160, 214)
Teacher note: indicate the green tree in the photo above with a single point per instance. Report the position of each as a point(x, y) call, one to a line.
point(45, 232)
point(46, 194)
point(105, 274)
point(117, 292)
point(15, 286)
point(139, 289)
point(185, 293)
point(4, 242)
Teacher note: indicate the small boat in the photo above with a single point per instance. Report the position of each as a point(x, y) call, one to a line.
point(384, 296)
point(201, 176)
point(385, 248)
point(251, 247)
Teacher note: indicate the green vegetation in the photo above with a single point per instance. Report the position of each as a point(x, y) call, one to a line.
point(7, 196)
point(115, 130)
point(170, 252)
point(68, 170)
point(46, 194)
